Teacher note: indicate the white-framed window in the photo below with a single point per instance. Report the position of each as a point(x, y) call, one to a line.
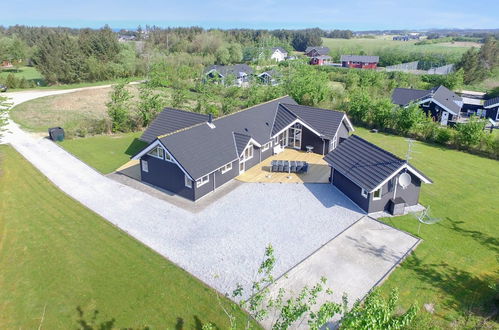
point(248, 152)
point(377, 194)
point(187, 181)
point(168, 157)
point(334, 143)
point(157, 152)
point(266, 146)
point(204, 180)
point(145, 166)
point(226, 168)
point(363, 192)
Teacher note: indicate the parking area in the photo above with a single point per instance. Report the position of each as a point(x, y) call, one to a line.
point(354, 262)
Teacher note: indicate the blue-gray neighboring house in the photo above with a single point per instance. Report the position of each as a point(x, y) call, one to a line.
point(371, 176)
point(492, 108)
point(192, 155)
point(442, 104)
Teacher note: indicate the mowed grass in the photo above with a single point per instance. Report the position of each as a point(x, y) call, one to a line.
point(56, 255)
point(105, 153)
point(457, 260)
point(26, 72)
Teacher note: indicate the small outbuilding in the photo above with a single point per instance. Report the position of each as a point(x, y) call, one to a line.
point(375, 179)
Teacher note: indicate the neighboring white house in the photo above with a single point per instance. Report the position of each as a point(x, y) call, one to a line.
point(279, 54)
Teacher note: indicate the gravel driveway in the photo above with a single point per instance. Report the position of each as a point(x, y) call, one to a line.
point(222, 245)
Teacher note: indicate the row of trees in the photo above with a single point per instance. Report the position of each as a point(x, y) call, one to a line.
point(478, 64)
point(92, 55)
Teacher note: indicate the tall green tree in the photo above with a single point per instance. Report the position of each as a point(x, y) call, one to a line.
point(59, 59)
point(118, 108)
point(149, 105)
point(306, 84)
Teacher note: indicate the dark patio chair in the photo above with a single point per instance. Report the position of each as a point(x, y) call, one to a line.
point(280, 165)
point(305, 167)
point(273, 166)
point(299, 166)
point(286, 166)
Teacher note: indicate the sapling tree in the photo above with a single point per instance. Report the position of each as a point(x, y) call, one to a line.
point(118, 108)
point(4, 107)
point(312, 307)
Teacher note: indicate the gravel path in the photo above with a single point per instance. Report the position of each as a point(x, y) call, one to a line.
point(222, 245)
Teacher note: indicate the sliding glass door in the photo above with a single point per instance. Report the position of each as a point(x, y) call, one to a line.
point(295, 132)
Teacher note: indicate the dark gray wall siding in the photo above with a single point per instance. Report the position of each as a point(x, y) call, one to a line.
point(410, 194)
point(255, 160)
point(342, 131)
point(310, 139)
point(204, 189)
point(492, 113)
point(220, 178)
point(350, 189)
point(166, 175)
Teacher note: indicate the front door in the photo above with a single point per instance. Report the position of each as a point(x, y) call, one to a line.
point(242, 167)
point(445, 118)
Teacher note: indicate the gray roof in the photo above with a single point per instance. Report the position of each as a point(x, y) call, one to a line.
point(440, 94)
point(492, 102)
point(201, 149)
point(241, 141)
point(282, 50)
point(320, 50)
point(324, 121)
point(359, 58)
point(364, 163)
point(171, 120)
point(226, 70)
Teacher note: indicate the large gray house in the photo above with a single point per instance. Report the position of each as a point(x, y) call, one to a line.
point(374, 178)
point(191, 154)
point(442, 104)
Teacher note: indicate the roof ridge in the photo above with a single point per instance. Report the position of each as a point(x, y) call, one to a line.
point(310, 107)
point(225, 116)
point(180, 130)
point(251, 107)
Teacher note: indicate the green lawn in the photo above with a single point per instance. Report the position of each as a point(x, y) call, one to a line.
point(56, 255)
point(372, 46)
point(458, 258)
point(28, 72)
point(105, 153)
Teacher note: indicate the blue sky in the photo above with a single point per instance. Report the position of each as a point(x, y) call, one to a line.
point(271, 14)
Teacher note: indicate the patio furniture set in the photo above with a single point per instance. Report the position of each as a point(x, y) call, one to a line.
point(289, 166)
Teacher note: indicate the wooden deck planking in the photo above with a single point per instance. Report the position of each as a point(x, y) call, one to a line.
point(318, 170)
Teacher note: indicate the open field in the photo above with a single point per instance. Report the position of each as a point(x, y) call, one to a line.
point(56, 255)
point(373, 46)
point(457, 261)
point(105, 153)
point(78, 111)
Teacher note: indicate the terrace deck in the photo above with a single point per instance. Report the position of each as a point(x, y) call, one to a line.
point(318, 170)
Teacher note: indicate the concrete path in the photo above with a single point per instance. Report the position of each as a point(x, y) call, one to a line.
point(223, 245)
point(354, 262)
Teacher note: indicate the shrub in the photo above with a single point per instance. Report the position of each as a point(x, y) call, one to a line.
point(444, 135)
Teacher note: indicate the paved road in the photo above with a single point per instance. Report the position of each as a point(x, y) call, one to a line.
point(223, 244)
